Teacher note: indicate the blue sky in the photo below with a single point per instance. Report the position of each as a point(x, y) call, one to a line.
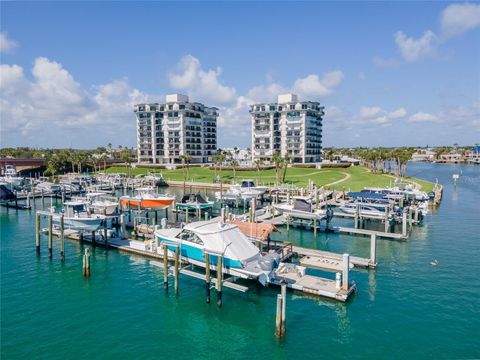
point(388, 73)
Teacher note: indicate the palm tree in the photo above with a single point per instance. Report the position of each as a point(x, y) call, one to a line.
point(258, 164)
point(278, 161)
point(286, 161)
point(234, 164)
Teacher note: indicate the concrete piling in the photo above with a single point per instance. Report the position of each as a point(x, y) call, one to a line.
point(207, 276)
point(345, 271)
point(86, 263)
point(37, 233)
point(284, 308)
point(62, 238)
point(177, 263)
point(50, 236)
point(373, 248)
point(404, 223)
point(278, 318)
point(165, 266)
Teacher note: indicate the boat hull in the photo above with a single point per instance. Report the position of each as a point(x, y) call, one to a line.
point(86, 224)
point(147, 203)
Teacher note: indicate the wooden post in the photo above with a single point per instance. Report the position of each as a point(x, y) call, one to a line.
point(284, 308)
point(416, 214)
point(86, 263)
point(288, 223)
point(206, 215)
point(62, 238)
point(63, 196)
point(186, 215)
point(315, 228)
point(207, 276)
point(165, 266)
point(278, 318)
point(43, 201)
point(404, 223)
point(93, 238)
point(123, 228)
point(177, 261)
point(410, 216)
point(105, 232)
point(33, 195)
point(37, 233)
point(373, 248)
point(387, 223)
point(219, 280)
point(357, 216)
point(50, 236)
point(346, 269)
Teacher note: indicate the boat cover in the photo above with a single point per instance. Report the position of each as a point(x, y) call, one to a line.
point(224, 238)
point(366, 195)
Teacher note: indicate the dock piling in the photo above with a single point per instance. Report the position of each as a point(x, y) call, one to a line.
point(37, 233)
point(346, 269)
point(62, 238)
point(338, 281)
point(50, 236)
point(284, 308)
point(278, 319)
point(165, 267)
point(219, 280)
point(86, 263)
point(404, 223)
point(177, 261)
point(373, 248)
point(207, 276)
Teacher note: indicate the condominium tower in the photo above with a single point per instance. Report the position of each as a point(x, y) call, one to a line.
point(177, 127)
point(289, 127)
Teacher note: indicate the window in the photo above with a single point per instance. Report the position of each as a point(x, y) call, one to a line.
point(292, 107)
point(170, 107)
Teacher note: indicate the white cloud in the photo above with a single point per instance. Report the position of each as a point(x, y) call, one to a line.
point(266, 93)
point(201, 84)
point(412, 49)
point(53, 101)
point(459, 18)
point(312, 85)
point(397, 114)
point(422, 117)
point(6, 44)
point(369, 112)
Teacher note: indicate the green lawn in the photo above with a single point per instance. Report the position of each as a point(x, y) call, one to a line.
point(359, 176)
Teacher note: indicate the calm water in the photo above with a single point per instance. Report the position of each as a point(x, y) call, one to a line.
point(405, 309)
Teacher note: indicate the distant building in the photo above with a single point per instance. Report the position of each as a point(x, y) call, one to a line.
point(289, 127)
point(473, 155)
point(423, 155)
point(177, 127)
point(452, 157)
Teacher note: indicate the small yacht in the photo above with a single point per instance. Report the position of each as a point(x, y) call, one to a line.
point(76, 216)
point(303, 207)
point(194, 202)
point(101, 203)
point(241, 257)
point(147, 199)
point(11, 177)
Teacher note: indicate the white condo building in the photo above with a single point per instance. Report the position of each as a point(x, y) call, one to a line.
point(289, 127)
point(177, 127)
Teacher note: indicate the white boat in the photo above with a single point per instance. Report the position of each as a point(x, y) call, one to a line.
point(365, 209)
point(10, 176)
point(47, 187)
point(303, 207)
point(241, 257)
point(101, 203)
point(147, 199)
point(76, 216)
point(248, 187)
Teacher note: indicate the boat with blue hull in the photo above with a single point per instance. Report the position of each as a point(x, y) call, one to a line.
point(240, 256)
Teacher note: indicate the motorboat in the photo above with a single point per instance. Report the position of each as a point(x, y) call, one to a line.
point(101, 203)
point(194, 202)
point(248, 187)
point(147, 199)
point(10, 176)
point(302, 207)
point(76, 216)
point(241, 257)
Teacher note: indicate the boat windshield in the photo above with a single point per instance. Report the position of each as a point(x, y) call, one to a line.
point(187, 235)
point(247, 184)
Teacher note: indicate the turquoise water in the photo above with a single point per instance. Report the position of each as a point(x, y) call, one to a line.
point(404, 309)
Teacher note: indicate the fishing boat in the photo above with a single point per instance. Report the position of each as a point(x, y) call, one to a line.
point(303, 207)
point(101, 203)
point(241, 257)
point(248, 187)
point(194, 202)
point(10, 176)
point(76, 216)
point(147, 199)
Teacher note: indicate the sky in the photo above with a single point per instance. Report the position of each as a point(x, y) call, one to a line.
point(388, 73)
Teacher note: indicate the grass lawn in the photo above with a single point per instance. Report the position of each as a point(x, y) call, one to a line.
point(356, 177)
